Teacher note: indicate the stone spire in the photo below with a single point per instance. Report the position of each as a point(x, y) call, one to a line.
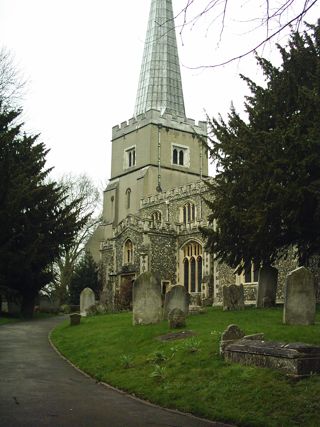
point(160, 86)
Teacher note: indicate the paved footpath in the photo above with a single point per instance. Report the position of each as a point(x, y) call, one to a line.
point(39, 388)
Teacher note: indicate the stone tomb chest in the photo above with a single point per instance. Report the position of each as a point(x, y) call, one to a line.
point(297, 359)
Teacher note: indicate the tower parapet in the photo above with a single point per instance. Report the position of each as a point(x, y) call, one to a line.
point(165, 120)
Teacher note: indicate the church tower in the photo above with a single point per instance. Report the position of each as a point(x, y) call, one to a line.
point(158, 148)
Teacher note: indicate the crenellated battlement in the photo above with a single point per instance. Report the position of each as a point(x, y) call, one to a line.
point(165, 120)
point(183, 191)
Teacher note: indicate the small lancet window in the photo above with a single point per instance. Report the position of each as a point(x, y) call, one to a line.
point(128, 252)
point(128, 197)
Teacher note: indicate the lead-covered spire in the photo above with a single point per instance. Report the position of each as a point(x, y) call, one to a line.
point(160, 86)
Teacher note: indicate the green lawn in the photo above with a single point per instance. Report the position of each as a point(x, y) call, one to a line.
point(189, 374)
point(5, 319)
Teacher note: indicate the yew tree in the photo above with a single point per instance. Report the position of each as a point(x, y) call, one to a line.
point(35, 221)
point(266, 195)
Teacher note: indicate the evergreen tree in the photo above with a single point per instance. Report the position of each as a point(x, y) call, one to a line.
point(34, 220)
point(266, 196)
point(86, 275)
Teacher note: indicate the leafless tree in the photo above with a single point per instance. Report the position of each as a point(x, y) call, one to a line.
point(275, 16)
point(78, 187)
point(12, 84)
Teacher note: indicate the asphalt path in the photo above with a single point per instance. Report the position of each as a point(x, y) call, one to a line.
point(39, 388)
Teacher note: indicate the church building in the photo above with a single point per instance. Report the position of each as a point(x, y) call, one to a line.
point(153, 205)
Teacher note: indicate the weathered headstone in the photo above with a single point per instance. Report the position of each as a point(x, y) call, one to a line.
point(146, 301)
point(232, 334)
point(176, 318)
point(233, 297)
point(176, 297)
point(299, 298)
point(75, 319)
point(87, 299)
point(267, 287)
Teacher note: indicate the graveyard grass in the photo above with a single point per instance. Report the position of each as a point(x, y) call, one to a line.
point(189, 374)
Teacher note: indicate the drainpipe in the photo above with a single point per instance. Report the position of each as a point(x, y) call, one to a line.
point(159, 189)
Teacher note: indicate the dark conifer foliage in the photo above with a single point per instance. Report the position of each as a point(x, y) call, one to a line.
point(86, 275)
point(34, 220)
point(266, 196)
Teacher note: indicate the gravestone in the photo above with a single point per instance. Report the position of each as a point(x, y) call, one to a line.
point(232, 334)
point(87, 299)
point(176, 318)
point(146, 300)
point(75, 319)
point(267, 287)
point(299, 298)
point(176, 297)
point(233, 297)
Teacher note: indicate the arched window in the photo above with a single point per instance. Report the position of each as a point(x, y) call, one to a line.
point(189, 213)
point(128, 252)
point(193, 274)
point(175, 156)
point(128, 197)
point(186, 273)
point(181, 157)
point(192, 266)
point(156, 217)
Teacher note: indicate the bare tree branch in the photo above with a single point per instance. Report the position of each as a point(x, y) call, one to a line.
point(12, 84)
point(308, 4)
point(276, 18)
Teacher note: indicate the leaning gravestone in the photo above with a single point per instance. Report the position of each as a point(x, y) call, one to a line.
point(177, 297)
point(267, 287)
point(146, 300)
point(87, 299)
point(233, 297)
point(299, 298)
point(232, 334)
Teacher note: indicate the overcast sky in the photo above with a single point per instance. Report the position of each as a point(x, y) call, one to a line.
point(82, 62)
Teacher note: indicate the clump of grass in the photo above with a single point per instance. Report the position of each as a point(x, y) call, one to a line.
point(157, 357)
point(126, 360)
point(158, 373)
point(192, 345)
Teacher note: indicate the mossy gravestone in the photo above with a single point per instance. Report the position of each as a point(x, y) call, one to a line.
point(146, 300)
point(177, 297)
point(299, 298)
point(267, 287)
point(233, 297)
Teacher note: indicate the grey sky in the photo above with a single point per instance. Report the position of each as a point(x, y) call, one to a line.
point(82, 61)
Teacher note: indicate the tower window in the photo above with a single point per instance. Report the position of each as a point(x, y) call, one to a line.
point(130, 157)
point(180, 155)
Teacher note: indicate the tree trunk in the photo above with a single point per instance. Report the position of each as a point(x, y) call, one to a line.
point(27, 306)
